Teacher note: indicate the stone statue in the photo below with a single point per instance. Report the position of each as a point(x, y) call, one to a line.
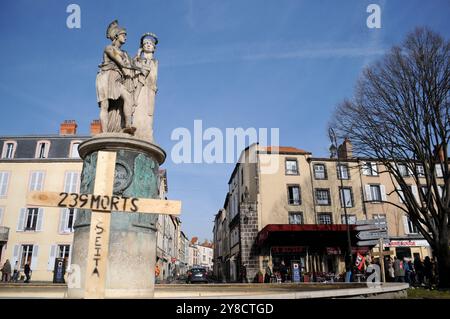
point(115, 84)
point(144, 95)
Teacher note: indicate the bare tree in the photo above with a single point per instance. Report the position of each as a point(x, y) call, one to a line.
point(400, 116)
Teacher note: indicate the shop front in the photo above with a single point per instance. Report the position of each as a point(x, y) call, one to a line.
point(410, 248)
point(319, 250)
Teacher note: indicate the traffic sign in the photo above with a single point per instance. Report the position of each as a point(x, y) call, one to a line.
point(369, 242)
point(371, 227)
point(371, 235)
point(371, 221)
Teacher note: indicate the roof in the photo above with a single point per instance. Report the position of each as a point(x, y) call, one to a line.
point(284, 150)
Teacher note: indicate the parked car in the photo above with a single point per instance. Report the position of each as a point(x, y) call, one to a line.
point(197, 275)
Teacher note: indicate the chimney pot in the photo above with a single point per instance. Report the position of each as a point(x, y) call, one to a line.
point(96, 127)
point(68, 127)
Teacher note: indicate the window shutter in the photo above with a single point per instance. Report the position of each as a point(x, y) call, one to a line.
point(440, 192)
point(439, 172)
point(374, 168)
point(15, 255)
point(75, 213)
point(4, 177)
point(32, 181)
point(69, 262)
point(63, 220)
point(40, 219)
point(365, 168)
point(67, 182)
point(383, 193)
point(406, 224)
point(401, 196)
point(415, 193)
point(21, 223)
point(368, 193)
point(51, 259)
point(34, 259)
point(40, 181)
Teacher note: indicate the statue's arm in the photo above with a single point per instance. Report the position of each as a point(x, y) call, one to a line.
point(115, 56)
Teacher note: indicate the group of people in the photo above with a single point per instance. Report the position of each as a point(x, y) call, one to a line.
point(7, 271)
point(416, 273)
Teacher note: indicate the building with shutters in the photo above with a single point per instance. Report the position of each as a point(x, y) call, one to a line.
point(286, 205)
point(39, 235)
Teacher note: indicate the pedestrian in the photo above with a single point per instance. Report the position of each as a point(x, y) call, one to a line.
point(399, 272)
point(406, 270)
point(419, 268)
point(428, 272)
point(6, 271)
point(16, 272)
point(412, 273)
point(283, 271)
point(27, 270)
point(268, 275)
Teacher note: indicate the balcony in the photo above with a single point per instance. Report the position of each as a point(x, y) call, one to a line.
point(4, 233)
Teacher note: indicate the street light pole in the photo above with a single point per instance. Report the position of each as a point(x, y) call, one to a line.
point(334, 149)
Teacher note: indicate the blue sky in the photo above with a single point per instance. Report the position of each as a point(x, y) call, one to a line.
point(264, 64)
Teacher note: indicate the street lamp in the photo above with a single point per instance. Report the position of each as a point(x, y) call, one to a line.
point(334, 152)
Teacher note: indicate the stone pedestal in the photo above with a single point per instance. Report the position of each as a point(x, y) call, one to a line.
point(132, 245)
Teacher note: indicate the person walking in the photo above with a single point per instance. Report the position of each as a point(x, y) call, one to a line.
point(6, 271)
point(27, 270)
point(406, 270)
point(16, 272)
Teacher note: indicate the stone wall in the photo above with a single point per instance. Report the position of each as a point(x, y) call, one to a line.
point(249, 231)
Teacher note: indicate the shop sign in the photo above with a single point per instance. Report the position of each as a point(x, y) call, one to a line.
point(288, 249)
point(401, 243)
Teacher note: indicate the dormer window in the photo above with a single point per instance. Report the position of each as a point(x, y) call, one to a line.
point(42, 149)
point(9, 149)
point(74, 149)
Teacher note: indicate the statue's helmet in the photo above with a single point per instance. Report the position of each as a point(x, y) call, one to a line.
point(114, 30)
point(150, 36)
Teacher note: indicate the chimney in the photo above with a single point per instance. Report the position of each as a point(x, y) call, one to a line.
point(345, 150)
point(68, 127)
point(96, 127)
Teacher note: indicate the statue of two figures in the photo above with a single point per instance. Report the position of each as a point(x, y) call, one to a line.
point(126, 87)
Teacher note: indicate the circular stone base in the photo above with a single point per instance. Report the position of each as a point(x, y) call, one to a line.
point(120, 141)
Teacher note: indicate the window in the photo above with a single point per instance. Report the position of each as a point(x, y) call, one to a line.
point(291, 167)
point(1, 214)
point(323, 196)
point(36, 181)
point(403, 170)
point(294, 195)
point(30, 219)
point(370, 169)
point(420, 170)
point(71, 182)
point(67, 220)
point(346, 196)
point(410, 228)
point(375, 193)
point(325, 219)
point(351, 219)
point(9, 149)
point(4, 179)
point(424, 191)
point(74, 149)
point(26, 255)
point(295, 218)
point(42, 149)
point(64, 252)
point(320, 171)
point(342, 171)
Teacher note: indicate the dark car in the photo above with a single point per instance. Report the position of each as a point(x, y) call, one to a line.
point(197, 275)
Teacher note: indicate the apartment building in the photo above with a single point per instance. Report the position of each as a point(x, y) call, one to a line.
point(38, 235)
point(286, 205)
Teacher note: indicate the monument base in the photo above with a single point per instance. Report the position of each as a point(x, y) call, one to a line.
point(130, 271)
